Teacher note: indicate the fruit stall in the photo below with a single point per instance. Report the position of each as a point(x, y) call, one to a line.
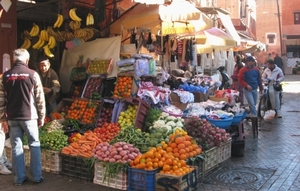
point(108, 132)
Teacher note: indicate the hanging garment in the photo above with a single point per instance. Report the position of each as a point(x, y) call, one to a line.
point(194, 54)
point(183, 51)
point(179, 47)
point(231, 63)
point(188, 54)
point(203, 60)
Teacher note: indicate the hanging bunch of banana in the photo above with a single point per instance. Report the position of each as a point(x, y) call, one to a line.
point(39, 44)
point(74, 25)
point(44, 35)
point(89, 33)
point(26, 44)
point(73, 15)
point(59, 21)
point(34, 30)
point(47, 51)
point(52, 42)
point(68, 35)
point(89, 19)
point(59, 37)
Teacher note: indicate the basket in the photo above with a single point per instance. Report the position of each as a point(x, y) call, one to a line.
point(181, 183)
point(78, 74)
point(26, 151)
point(224, 151)
point(237, 119)
point(77, 167)
point(211, 159)
point(141, 180)
point(118, 182)
point(51, 161)
point(221, 123)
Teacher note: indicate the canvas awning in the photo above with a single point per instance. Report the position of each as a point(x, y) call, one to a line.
point(229, 27)
point(219, 39)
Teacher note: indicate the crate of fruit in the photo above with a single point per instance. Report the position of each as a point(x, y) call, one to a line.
point(118, 182)
point(224, 151)
point(77, 167)
point(78, 74)
point(185, 182)
point(105, 112)
point(76, 89)
point(123, 86)
point(26, 151)
point(93, 87)
point(211, 159)
point(51, 161)
point(108, 86)
point(141, 180)
point(100, 66)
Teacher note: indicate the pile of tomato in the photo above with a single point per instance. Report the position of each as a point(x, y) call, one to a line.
point(108, 131)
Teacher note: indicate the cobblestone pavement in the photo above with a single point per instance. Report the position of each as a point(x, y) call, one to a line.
point(275, 148)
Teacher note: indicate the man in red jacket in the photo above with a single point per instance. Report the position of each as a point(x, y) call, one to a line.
point(250, 79)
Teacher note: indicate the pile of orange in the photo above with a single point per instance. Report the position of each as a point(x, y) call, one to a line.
point(90, 114)
point(171, 157)
point(77, 109)
point(123, 87)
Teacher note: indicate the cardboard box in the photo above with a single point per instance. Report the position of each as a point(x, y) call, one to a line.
point(200, 97)
point(217, 99)
point(175, 100)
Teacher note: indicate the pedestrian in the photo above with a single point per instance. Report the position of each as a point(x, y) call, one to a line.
point(235, 84)
point(50, 83)
point(24, 112)
point(275, 74)
point(278, 61)
point(250, 79)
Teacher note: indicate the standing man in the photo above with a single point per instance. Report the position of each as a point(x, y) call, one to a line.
point(250, 79)
point(278, 61)
point(25, 111)
point(275, 74)
point(50, 83)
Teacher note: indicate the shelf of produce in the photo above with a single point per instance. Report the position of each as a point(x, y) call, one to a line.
point(105, 112)
point(118, 182)
point(224, 151)
point(100, 66)
point(51, 161)
point(93, 87)
point(141, 180)
point(78, 167)
point(26, 151)
point(188, 181)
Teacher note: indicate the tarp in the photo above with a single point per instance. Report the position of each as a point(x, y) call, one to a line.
point(103, 48)
point(148, 16)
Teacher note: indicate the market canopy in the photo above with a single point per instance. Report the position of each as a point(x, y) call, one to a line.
point(153, 17)
point(219, 39)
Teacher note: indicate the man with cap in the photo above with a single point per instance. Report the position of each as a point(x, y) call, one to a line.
point(50, 83)
point(250, 79)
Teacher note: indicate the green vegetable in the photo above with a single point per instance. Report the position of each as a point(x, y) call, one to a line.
point(112, 169)
point(54, 140)
point(152, 115)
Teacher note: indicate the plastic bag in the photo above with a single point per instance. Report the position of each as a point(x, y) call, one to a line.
point(141, 67)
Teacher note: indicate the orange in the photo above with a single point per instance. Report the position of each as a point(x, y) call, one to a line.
point(183, 163)
point(169, 162)
point(179, 140)
point(176, 155)
point(182, 151)
point(149, 164)
point(155, 165)
point(181, 146)
point(169, 149)
point(183, 156)
point(166, 167)
point(173, 145)
point(175, 150)
point(160, 164)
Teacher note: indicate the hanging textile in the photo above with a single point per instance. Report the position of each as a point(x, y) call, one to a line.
point(230, 66)
point(209, 61)
point(217, 57)
point(188, 54)
point(203, 61)
point(224, 54)
point(194, 54)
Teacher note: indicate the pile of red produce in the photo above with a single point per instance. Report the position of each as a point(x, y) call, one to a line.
point(120, 152)
point(106, 114)
point(108, 131)
point(205, 134)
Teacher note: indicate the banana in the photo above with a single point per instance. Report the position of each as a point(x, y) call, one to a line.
point(91, 19)
point(39, 43)
point(26, 44)
point(44, 35)
point(51, 42)
point(47, 51)
point(58, 21)
point(34, 30)
point(73, 15)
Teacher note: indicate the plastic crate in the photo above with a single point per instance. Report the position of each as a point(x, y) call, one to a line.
point(118, 182)
point(78, 74)
point(93, 85)
point(108, 87)
point(211, 159)
point(141, 180)
point(181, 183)
point(77, 167)
point(198, 162)
point(51, 161)
point(26, 151)
point(224, 151)
point(76, 89)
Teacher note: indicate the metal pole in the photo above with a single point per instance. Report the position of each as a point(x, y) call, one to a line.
point(279, 23)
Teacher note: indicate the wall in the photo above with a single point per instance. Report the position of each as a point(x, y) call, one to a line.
point(8, 32)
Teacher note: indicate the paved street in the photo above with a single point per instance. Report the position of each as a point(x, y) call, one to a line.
point(275, 152)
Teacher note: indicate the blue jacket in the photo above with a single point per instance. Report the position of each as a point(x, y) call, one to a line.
point(250, 76)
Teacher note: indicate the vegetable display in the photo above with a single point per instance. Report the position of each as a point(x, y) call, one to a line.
point(205, 134)
point(152, 115)
point(105, 116)
point(107, 132)
point(54, 140)
point(127, 117)
point(123, 87)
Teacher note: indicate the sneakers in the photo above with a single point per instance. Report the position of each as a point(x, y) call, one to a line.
point(8, 164)
point(279, 115)
point(4, 170)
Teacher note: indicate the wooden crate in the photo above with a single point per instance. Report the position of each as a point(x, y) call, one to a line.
point(118, 182)
point(186, 182)
point(51, 161)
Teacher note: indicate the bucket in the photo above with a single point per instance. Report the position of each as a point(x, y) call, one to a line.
point(237, 148)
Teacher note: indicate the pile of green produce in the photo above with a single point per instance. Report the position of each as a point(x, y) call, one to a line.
point(54, 140)
point(152, 115)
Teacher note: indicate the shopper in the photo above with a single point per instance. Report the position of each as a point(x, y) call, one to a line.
point(3, 168)
point(25, 111)
point(235, 84)
point(250, 79)
point(275, 74)
point(50, 83)
point(278, 61)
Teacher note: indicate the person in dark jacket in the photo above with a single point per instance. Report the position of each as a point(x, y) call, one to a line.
point(278, 61)
point(250, 79)
point(50, 83)
point(24, 110)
